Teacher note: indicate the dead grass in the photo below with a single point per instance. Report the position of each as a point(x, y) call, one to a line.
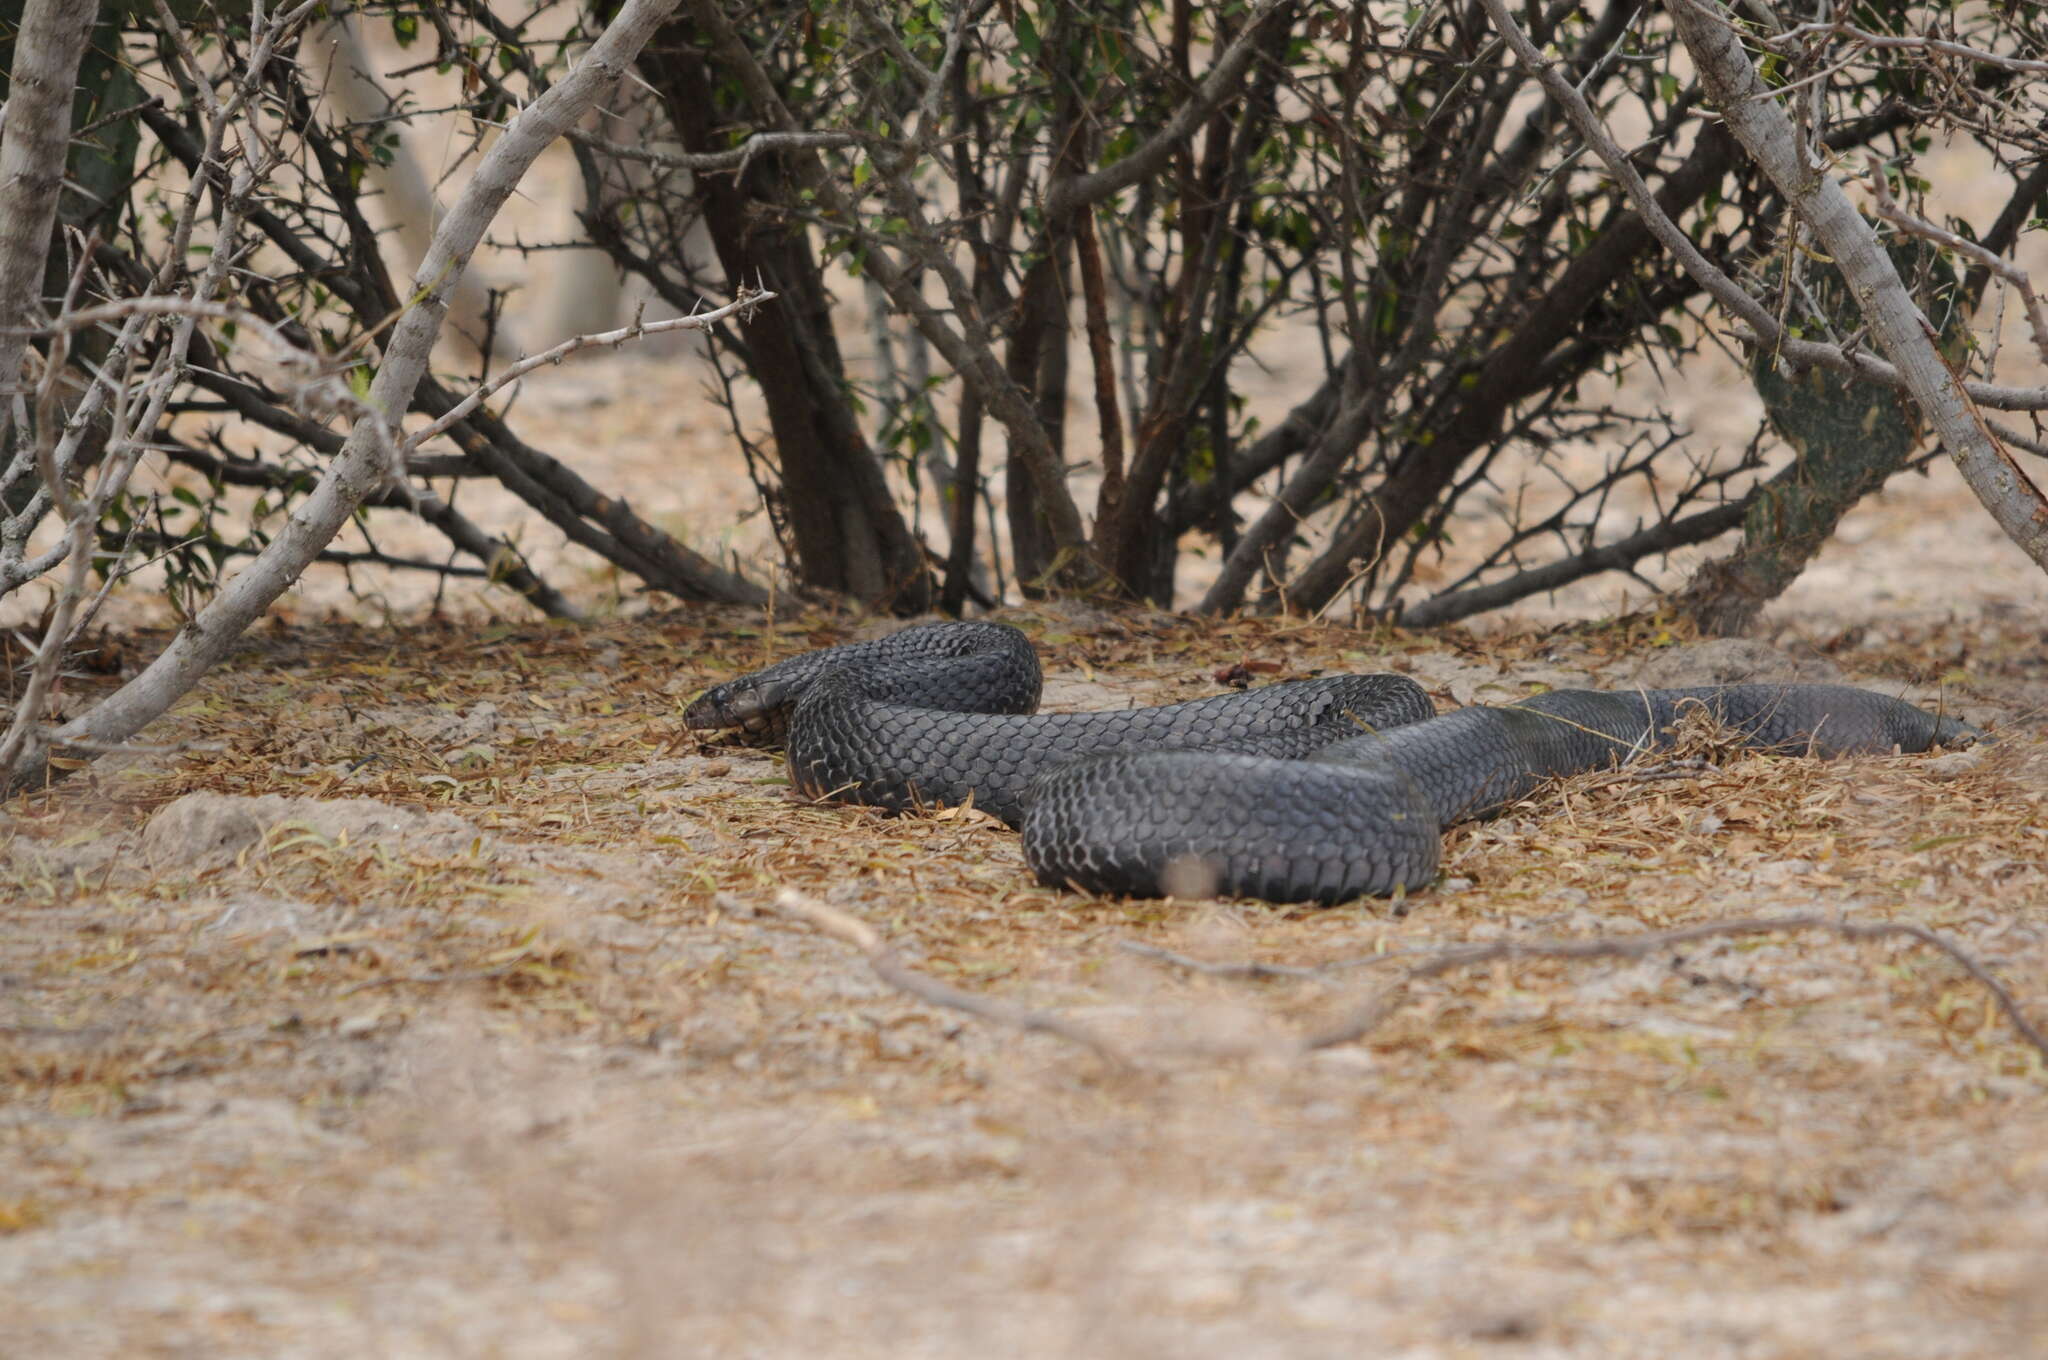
point(481, 1065)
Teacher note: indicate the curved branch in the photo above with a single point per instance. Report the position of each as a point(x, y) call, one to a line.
point(1896, 323)
point(1071, 195)
point(1366, 1018)
point(366, 457)
point(1619, 555)
point(1724, 290)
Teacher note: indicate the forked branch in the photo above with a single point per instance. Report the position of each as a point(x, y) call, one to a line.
point(368, 458)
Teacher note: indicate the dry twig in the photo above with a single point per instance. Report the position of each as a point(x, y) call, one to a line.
point(1862, 38)
point(889, 966)
point(1240, 968)
point(1387, 999)
point(1891, 211)
point(743, 303)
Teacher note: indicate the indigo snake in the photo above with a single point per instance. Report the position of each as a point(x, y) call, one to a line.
point(1309, 790)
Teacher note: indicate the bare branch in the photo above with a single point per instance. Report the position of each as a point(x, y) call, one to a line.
point(1724, 290)
point(1905, 335)
point(743, 304)
point(86, 318)
point(1070, 194)
point(1863, 38)
point(2033, 445)
point(888, 965)
point(1619, 555)
point(1889, 209)
point(367, 457)
point(1386, 1000)
point(734, 160)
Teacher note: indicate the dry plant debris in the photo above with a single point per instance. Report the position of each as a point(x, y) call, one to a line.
point(428, 996)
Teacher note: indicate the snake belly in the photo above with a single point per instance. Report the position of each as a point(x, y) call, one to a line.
point(1306, 791)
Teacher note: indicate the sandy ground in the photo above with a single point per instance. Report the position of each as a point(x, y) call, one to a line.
point(426, 1005)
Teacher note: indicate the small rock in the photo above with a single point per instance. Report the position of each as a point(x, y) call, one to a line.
point(360, 1026)
point(203, 829)
point(1954, 763)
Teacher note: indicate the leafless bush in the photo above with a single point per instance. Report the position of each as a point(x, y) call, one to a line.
point(288, 320)
point(1481, 217)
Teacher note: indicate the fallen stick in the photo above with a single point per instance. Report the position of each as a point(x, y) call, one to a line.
point(1386, 1000)
point(889, 966)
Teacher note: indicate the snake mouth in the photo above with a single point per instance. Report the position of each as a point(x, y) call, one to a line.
point(753, 707)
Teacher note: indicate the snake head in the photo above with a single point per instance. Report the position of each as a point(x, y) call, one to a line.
point(1953, 733)
point(751, 702)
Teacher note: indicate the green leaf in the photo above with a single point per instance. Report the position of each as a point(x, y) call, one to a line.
point(1113, 53)
point(1027, 35)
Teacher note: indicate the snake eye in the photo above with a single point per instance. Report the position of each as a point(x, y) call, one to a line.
point(737, 703)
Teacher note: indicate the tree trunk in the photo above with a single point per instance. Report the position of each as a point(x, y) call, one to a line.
point(34, 139)
point(1037, 363)
point(849, 536)
point(1753, 114)
point(1849, 435)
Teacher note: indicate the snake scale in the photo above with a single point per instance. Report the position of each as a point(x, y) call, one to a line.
point(1305, 791)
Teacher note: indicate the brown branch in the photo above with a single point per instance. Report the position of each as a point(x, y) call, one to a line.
point(889, 966)
point(1094, 295)
point(1723, 289)
point(1387, 999)
point(1620, 555)
point(165, 544)
point(618, 534)
point(1069, 195)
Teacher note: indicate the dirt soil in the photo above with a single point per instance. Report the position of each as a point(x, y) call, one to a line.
point(425, 1001)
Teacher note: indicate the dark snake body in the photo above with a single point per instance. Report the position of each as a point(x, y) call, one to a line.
point(1312, 790)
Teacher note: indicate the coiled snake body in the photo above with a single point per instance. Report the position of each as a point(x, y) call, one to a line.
point(1310, 790)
